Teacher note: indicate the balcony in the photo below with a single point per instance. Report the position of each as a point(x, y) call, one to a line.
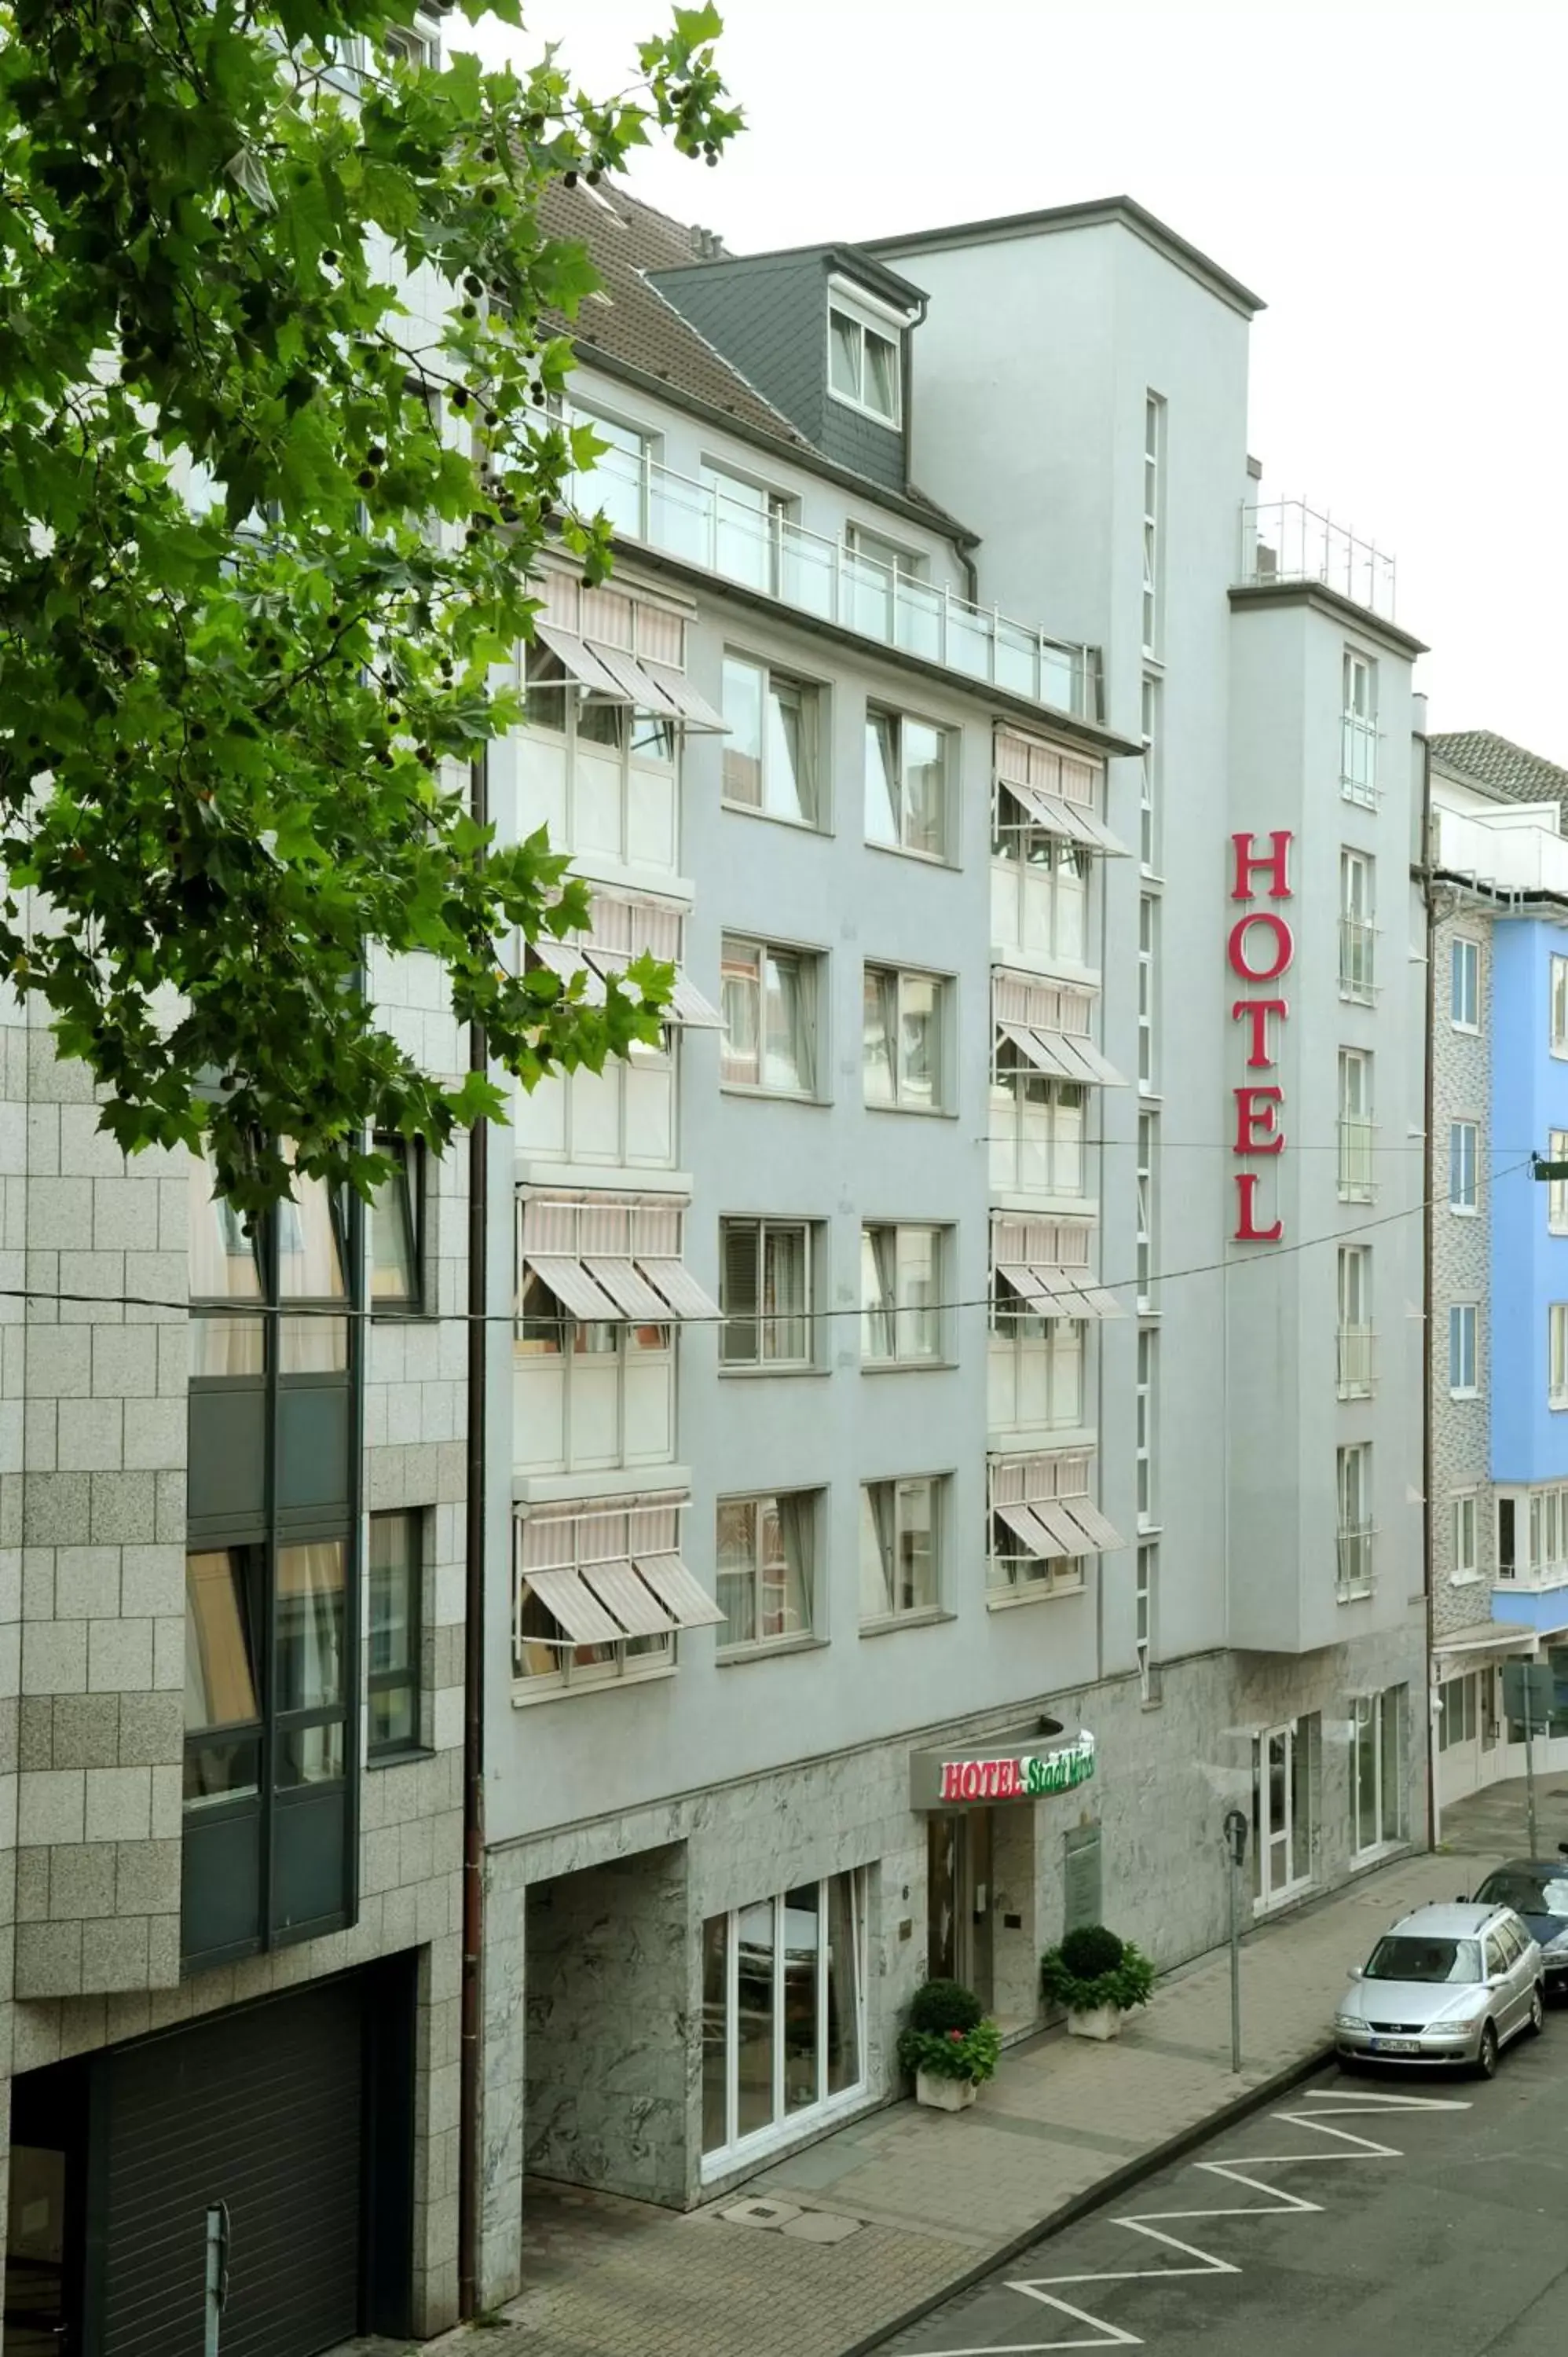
point(1518, 850)
point(1356, 942)
point(1286, 540)
point(1355, 1362)
point(1354, 1580)
point(759, 547)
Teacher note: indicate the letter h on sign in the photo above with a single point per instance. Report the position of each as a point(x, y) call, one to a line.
point(1260, 949)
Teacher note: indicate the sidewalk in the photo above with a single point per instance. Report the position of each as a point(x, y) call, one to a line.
point(878, 2219)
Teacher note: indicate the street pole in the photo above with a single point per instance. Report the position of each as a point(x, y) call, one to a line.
point(1529, 1770)
point(1236, 1847)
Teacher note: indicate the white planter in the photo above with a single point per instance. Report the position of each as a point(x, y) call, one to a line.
point(1099, 2021)
point(944, 2094)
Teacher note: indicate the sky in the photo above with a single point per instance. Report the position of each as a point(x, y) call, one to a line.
point(1392, 176)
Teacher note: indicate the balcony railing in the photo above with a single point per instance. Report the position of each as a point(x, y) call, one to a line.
point(1355, 939)
point(1355, 1578)
point(1356, 1182)
point(1285, 539)
point(756, 545)
point(1355, 1362)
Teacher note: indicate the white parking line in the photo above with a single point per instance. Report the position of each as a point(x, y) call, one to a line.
point(1334, 2105)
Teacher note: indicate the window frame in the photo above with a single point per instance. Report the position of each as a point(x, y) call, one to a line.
point(867, 317)
point(941, 1027)
point(1557, 1189)
point(1355, 1129)
point(811, 1232)
point(1463, 1155)
point(1557, 1006)
point(1148, 1005)
point(813, 1496)
point(1353, 1275)
point(1464, 1538)
point(410, 1176)
point(896, 721)
point(815, 730)
point(1356, 1570)
point(891, 1310)
point(630, 757)
point(1359, 729)
point(1557, 1356)
point(565, 1358)
point(813, 999)
point(1014, 1089)
point(1146, 1208)
point(1154, 464)
point(1357, 926)
point(1464, 953)
point(1464, 1350)
point(411, 1677)
point(1016, 1330)
point(899, 1616)
point(1149, 775)
point(1146, 1406)
point(1056, 886)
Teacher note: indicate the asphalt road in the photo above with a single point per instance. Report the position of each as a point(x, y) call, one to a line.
point(1447, 2238)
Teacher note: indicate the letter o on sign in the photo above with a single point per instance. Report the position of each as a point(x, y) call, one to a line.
point(1238, 947)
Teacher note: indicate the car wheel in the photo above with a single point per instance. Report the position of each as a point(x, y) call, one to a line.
point(1486, 2053)
point(1537, 2021)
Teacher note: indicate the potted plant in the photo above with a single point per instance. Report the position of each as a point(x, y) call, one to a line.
point(949, 2045)
point(1098, 1978)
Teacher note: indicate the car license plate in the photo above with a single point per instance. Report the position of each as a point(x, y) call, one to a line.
point(1396, 2046)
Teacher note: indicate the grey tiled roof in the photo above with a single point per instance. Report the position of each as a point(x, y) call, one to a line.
point(1501, 767)
point(636, 326)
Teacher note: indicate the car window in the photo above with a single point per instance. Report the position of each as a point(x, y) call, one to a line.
point(1527, 1892)
point(1512, 1938)
point(1407, 1957)
point(1497, 1955)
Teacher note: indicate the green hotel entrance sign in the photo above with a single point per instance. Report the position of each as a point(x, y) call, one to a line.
point(939, 1783)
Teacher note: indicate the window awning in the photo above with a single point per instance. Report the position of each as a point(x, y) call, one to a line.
point(621, 678)
point(685, 1004)
point(1488, 1636)
point(602, 1603)
point(1060, 1526)
point(613, 1289)
point(582, 664)
point(694, 709)
point(1059, 817)
point(1060, 1292)
point(1064, 1055)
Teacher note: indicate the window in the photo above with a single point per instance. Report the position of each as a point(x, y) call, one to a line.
point(783, 2016)
point(1145, 1604)
point(768, 1000)
point(1149, 779)
point(1358, 730)
point(1356, 1184)
point(1464, 985)
point(1148, 1151)
point(1154, 464)
point(1035, 1370)
point(395, 1221)
point(863, 365)
point(900, 1548)
point(902, 1039)
point(1465, 1562)
point(1354, 1322)
point(600, 776)
point(589, 1393)
point(901, 1296)
point(764, 1292)
point(907, 764)
point(1036, 1129)
point(1507, 1539)
point(395, 1635)
point(599, 1596)
point(615, 481)
point(620, 1118)
point(1462, 1349)
point(1532, 1537)
point(1355, 1576)
point(746, 522)
point(884, 591)
point(766, 1547)
point(1557, 1189)
point(1148, 934)
point(1377, 1769)
point(1044, 1526)
point(1462, 1145)
point(1457, 1714)
point(1560, 1006)
point(222, 1713)
point(1557, 1354)
point(1356, 934)
point(770, 756)
point(1039, 884)
point(1143, 1429)
point(402, 47)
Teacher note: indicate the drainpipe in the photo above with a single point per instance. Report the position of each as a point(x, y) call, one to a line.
point(1429, 1099)
point(469, 2126)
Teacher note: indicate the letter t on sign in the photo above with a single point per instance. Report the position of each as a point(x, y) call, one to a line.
point(1257, 1011)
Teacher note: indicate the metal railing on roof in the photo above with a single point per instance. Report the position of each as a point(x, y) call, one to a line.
point(1286, 540)
point(746, 537)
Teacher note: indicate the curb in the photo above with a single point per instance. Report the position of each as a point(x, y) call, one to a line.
point(1121, 2181)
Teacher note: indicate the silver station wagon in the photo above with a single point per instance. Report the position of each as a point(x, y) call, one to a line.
point(1449, 1983)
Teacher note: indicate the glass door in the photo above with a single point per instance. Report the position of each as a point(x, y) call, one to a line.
point(1271, 1812)
point(947, 1908)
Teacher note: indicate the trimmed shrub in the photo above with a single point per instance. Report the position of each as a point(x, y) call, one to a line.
point(938, 2006)
point(1091, 1951)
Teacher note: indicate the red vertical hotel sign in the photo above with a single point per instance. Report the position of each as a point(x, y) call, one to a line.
point(1260, 949)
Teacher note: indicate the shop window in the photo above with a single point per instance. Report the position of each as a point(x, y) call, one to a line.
point(783, 2017)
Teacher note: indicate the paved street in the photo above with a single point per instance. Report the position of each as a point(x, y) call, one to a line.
point(1416, 2219)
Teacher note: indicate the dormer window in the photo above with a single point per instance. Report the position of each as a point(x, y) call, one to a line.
point(863, 358)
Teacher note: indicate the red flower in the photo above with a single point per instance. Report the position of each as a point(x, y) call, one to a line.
point(956, 2036)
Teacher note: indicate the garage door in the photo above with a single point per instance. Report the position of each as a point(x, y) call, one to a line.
point(251, 2125)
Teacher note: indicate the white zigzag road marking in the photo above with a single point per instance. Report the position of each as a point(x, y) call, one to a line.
point(1334, 2105)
